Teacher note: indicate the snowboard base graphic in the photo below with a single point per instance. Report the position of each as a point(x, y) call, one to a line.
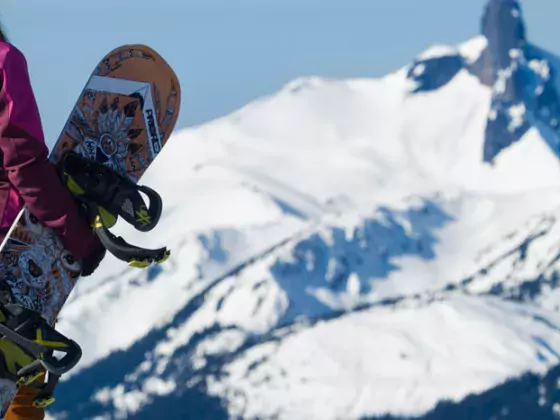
point(122, 119)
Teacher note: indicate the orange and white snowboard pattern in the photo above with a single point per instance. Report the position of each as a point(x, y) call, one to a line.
point(123, 118)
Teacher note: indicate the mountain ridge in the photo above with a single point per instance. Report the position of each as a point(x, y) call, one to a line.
point(331, 212)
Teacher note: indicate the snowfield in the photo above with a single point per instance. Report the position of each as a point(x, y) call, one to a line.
point(340, 249)
point(409, 358)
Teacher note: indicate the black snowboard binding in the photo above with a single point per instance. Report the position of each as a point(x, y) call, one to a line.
point(107, 195)
point(27, 342)
point(34, 355)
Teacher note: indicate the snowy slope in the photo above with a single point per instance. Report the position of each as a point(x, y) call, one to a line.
point(408, 360)
point(341, 249)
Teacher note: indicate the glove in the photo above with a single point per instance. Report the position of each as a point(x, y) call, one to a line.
point(92, 261)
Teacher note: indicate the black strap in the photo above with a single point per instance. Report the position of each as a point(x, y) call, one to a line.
point(23, 326)
point(127, 252)
point(95, 183)
point(108, 195)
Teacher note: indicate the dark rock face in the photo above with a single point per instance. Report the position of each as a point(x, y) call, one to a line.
point(502, 25)
point(522, 78)
point(433, 73)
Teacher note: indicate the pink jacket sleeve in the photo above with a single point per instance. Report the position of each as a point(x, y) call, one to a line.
point(25, 159)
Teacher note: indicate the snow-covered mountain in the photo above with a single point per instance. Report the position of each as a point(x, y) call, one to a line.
point(347, 249)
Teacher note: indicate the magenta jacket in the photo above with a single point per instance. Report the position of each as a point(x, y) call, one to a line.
point(26, 175)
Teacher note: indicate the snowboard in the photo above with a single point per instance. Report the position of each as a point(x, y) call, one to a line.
point(122, 119)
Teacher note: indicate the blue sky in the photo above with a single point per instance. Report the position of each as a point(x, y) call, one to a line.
point(228, 52)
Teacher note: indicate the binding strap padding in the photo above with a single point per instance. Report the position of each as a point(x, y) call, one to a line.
point(133, 255)
point(93, 182)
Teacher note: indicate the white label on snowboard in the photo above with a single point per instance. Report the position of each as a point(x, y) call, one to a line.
point(129, 87)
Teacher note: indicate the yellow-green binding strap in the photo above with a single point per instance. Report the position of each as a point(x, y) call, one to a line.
point(43, 402)
point(14, 356)
point(146, 263)
point(47, 343)
point(73, 186)
point(108, 219)
point(29, 379)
